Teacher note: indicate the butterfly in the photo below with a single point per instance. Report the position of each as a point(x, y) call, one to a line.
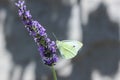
point(68, 48)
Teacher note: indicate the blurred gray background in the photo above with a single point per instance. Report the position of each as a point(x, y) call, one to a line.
point(96, 23)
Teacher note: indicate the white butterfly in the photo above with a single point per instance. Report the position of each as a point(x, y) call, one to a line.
point(68, 48)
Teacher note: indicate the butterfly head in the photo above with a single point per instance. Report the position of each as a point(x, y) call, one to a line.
point(58, 43)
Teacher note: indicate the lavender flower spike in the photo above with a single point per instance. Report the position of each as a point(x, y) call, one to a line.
point(46, 47)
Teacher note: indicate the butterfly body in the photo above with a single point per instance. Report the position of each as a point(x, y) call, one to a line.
point(68, 48)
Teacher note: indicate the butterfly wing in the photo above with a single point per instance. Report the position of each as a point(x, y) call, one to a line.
point(69, 48)
point(73, 44)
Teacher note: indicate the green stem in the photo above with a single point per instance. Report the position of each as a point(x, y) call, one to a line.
point(54, 73)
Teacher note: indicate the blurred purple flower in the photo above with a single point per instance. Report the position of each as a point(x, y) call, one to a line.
point(46, 47)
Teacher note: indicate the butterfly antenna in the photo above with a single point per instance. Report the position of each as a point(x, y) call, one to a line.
point(54, 36)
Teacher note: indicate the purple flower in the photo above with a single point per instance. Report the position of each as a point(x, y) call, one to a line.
point(46, 47)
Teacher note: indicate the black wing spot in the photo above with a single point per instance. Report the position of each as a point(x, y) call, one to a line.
point(74, 46)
